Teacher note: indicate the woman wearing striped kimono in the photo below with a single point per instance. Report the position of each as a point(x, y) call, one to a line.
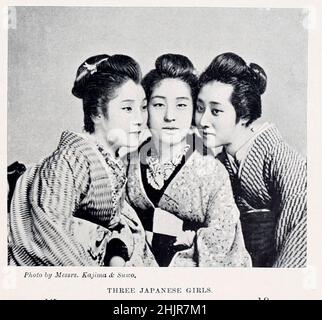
point(182, 196)
point(64, 208)
point(268, 177)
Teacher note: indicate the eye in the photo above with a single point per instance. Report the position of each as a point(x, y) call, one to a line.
point(200, 108)
point(215, 112)
point(127, 108)
point(144, 107)
point(158, 105)
point(181, 105)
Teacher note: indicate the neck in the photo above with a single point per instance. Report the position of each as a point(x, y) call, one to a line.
point(100, 138)
point(168, 152)
point(242, 136)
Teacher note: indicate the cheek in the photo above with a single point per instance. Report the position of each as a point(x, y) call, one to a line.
point(197, 118)
point(185, 115)
point(120, 124)
point(155, 119)
point(227, 127)
point(144, 118)
point(185, 120)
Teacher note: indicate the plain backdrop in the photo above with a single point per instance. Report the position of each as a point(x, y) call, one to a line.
point(47, 44)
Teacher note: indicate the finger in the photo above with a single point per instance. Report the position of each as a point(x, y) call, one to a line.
point(178, 243)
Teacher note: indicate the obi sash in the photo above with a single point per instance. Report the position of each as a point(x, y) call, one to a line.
point(258, 227)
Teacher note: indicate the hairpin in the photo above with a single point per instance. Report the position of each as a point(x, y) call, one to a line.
point(92, 68)
point(89, 68)
point(195, 72)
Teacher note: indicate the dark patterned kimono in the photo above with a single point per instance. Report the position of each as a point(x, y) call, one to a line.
point(270, 190)
point(198, 193)
point(63, 209)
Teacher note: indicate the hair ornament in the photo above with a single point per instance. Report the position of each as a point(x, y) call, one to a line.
point(89, 69)
point(92, 68)
point(195, 72)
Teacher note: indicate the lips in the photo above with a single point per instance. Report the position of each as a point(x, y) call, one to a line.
point(135, 132)
point(170, 128)
point(207, 133)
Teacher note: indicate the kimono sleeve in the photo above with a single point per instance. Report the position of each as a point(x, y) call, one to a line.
point(221, 243)
point(289, 187)
point(132, 235)
point(41, 214)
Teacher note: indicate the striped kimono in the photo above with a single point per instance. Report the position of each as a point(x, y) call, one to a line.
point(270, 190)
point(63, 209)
point(199, 195)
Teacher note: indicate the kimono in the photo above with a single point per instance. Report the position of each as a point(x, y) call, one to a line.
point(270, 190)
point(198, 193)
point(63, 209)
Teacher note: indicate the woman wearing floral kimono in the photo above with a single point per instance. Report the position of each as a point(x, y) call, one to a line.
point(268, 177)
point(182, 196)
point(64, 209)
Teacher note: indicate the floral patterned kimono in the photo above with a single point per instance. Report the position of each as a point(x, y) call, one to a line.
point(63, 209)
point(196, 196)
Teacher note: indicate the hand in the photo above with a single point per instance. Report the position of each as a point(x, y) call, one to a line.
point(117, 261)
point(185, 238)
point(117, 225)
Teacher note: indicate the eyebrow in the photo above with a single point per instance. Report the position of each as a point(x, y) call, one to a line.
point(214, 103)
point(127, 100)
point(160, 97)
point(185, 98)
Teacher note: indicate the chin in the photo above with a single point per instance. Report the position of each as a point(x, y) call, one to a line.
point(129, 143)
point(210, 142)
point(133, 144)
point(171, 140)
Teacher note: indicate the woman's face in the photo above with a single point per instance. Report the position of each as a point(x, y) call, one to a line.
point(170, 111)
point(215, 115)
point(126, 116)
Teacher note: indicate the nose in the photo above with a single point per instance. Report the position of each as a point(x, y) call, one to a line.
point(205, 119)
point(138, 119)
point(169, 115)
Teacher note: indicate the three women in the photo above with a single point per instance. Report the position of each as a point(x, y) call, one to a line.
point(67, 209)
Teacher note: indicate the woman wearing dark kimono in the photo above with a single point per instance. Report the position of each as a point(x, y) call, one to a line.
point(64, 209)
point(182, 196)
point(268, 177)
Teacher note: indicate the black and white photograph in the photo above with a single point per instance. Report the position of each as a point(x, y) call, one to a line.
point(150, 147)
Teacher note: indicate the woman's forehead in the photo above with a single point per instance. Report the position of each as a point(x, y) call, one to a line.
point(215, 92)
point(130, 91)
point(171, 87)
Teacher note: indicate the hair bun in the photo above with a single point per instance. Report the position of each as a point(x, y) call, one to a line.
point(175, 64)
point(259, 77)
point(229, 64)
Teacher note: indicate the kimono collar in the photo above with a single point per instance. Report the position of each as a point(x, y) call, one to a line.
point(241, 154)
point(158, 173)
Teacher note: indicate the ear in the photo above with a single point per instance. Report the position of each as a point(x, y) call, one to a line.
point(98, 118)
point(243, 122)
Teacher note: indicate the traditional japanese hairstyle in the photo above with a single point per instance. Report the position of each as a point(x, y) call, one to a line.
point(249, 83)
point(175, 66)
point(97, 79)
